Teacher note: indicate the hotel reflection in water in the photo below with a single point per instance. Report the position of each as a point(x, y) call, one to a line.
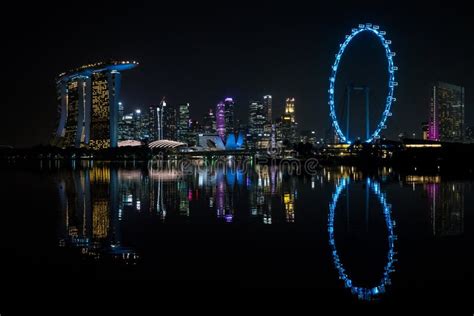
point(94, 200)
point(446, 202)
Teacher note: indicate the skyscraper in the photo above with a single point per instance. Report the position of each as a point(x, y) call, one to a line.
point(256, 118)
point(195, 129)
point(209, 124)
point(88, 105)
point(126, 127)
point(257, 122)
point(229, 115)
point(447, 113)
point(121, 110)
point(183, 123)
point(220, 120)
point(156, 120)
point(267, 107)
point(288, 123)
point(139, 122)
point(170, 126)
point(290, 108)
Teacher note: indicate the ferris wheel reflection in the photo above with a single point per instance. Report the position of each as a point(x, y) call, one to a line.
point(364, 293)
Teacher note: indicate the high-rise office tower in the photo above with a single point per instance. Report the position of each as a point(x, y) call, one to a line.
point(447, 113)
point(126, 127)
point(267, 107)
point(209, 124)
point(256, 118)
point(121, 110)
point(195, 129)
point(170, 126)
point(290, 108)
point(88, 105)
point(138, 124)
point(220, 120)
point(257, 122)
point(183, 123)
point(229, 115)
point(156, 120)
point(288, 123)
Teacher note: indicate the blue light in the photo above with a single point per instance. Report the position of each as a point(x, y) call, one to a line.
point(363, 293)
point(391, 80)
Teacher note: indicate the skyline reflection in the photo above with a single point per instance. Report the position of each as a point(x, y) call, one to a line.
point(98, 201)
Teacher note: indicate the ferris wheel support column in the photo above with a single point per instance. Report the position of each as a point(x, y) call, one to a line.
point(367, 115)
point(348, 104)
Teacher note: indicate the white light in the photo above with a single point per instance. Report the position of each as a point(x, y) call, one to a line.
point(138, 111)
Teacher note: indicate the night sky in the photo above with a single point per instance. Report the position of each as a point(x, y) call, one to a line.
point(203, 53)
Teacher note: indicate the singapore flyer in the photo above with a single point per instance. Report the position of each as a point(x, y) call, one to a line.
point(391, 82)
point(363, 293)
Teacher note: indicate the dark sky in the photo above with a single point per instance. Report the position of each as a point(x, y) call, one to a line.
point(203, 53)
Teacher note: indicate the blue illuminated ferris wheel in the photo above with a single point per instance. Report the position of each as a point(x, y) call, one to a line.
point(391, 82)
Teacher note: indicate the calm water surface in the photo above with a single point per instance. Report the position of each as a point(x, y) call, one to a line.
point(356, 236)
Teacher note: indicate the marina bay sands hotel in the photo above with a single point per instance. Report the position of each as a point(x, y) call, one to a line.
point(88, 99)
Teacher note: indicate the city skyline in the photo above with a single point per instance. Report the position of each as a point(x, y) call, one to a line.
point(204, 64)
point(325, 146)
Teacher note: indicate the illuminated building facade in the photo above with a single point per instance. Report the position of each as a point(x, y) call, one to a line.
point(425, 130)
point(170, 123)
point(126, 127)
point(88, 105)
point(195, 129)
point(257, 120)
point(183, 123)
point(155, 122)
point(447, 113)
point(308, 137)
point(229, 115)
point(288, 123)
point(136, 125)
point(209, 124)
point(220, 120)
point(267, 109)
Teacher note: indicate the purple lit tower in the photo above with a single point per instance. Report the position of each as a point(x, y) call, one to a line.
point(447, 113)
point(220, 120)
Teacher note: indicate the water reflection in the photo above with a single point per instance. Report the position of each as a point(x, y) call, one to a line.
point(98, 200)
point(447, 207)
point(446, 203)
point(89, 216)
point(364, 293)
